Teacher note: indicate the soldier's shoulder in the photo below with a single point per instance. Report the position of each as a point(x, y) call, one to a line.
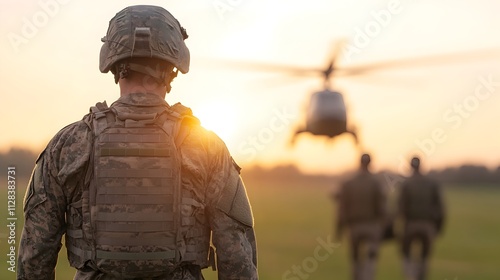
point(209, 144)
point(72, 133)
point(204, 138)
point(69, 149)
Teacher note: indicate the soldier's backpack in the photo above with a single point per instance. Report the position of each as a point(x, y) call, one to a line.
point(131, 217)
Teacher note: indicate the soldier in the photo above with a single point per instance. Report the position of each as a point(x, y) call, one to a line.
point(422, 211)
point(362, 210)
point(139, 189)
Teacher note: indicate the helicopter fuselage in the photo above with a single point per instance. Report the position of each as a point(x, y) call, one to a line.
point(326, 114)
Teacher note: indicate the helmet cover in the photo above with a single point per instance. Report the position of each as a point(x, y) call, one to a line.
point(144, 31)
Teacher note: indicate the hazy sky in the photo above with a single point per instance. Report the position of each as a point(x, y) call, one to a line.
point(447, 112)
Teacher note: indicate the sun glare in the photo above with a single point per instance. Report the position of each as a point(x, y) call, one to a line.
point(219, 118)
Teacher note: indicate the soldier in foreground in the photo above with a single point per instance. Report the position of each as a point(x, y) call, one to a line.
point(139, 188)
point(362, 209)
point(422, 210)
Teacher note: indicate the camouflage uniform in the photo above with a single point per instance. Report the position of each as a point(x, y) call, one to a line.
point(58, 180)
point(421, 208)
point(362, 210)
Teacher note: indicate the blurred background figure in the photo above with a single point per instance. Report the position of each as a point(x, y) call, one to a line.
point(422, 211)
point(362, 209)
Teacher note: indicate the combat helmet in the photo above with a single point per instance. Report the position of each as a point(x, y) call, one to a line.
point(144, 31)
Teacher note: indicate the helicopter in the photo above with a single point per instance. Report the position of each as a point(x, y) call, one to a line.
point(326, 113)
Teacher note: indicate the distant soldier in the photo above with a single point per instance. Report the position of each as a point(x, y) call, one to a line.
point(362, 209)
point(139, 189)
point(422, 210)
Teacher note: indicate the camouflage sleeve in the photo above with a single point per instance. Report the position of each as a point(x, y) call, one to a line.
point(236, 248)
point(231, 220)
point(53, 183)
point(209, 163)
point(44, 225)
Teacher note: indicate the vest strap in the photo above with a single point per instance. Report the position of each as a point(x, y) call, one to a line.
point(134, 217)
point(81, 253)
point(157, 241)
point(74, 233)
point(135, 256)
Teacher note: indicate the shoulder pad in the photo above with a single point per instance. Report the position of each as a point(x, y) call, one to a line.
point(40, 155)
point(186, 114)
point(236, 166)
point(181, 109)
point(234, 201)
point(99, 107)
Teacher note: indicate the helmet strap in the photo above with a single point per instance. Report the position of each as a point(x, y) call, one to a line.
point(121, 71)
point(169, 78)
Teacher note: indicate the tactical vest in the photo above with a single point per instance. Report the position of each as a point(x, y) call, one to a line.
point(421, 199)
point(134, 219)
point(362, 195)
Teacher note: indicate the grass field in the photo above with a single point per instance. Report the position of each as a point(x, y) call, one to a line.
point(293, 224)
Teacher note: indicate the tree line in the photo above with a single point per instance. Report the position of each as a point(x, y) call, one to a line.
point(466, 174)
point(24, 161)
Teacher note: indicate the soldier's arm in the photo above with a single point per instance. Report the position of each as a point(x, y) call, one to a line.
point(440, 208)
point(236, 249)
point(232, 232)
point(44, 210)
point(54, 179)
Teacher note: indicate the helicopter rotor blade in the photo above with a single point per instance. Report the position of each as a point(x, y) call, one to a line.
point(332, 59)
point(381, 80)
point(420, 61)
point(265, 67)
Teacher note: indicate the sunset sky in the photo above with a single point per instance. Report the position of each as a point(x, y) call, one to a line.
point(448, 112)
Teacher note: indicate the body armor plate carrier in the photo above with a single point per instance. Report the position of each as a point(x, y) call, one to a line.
point(131, 222)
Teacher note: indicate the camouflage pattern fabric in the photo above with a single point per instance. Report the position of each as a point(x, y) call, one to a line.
point(144, 31)
point(58, 180)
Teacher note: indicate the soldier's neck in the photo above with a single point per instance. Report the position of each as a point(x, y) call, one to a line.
point(141, 84)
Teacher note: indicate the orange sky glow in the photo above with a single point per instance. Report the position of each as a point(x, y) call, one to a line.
point(447, 112)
